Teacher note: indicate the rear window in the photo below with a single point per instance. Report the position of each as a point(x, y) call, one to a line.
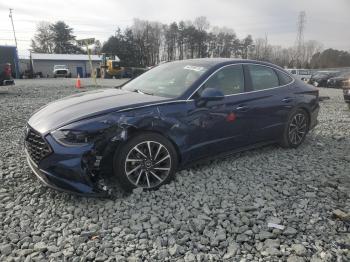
point(284, 78)
point(263, 77)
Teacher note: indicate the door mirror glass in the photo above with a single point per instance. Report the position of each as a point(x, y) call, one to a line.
point(211, 94)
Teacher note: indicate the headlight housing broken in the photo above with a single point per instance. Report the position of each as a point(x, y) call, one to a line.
point(71, 137)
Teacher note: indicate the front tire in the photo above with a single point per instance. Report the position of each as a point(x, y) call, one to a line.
point(296, 129)
point(147, 161)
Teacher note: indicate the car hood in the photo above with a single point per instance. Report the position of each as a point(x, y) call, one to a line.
point(86, 104)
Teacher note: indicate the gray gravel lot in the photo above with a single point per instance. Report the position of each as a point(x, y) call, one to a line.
point(214, 212)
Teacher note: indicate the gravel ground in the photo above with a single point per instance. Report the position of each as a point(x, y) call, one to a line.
point(214, 212)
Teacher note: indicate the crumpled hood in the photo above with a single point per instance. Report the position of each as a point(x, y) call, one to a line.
point(86, 104)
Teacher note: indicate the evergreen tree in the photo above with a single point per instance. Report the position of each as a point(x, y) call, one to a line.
point(63, 39)
point(55, 38)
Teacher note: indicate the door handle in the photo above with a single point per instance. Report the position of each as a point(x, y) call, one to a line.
point(287, 99)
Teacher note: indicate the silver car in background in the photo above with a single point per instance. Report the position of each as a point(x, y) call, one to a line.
point(301, 74)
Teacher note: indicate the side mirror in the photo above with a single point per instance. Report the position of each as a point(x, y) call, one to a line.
point(211, 94)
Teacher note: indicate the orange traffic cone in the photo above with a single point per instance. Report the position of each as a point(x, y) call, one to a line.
point(77, 82)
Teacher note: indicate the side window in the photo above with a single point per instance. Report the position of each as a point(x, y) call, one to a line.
point(293, 72)
point(262, 77)
point(230, 80)
point(284, 78)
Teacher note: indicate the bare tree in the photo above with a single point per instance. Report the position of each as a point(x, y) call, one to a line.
point(261, 50)
point(148, 36)
point(43, 39)
point(311, 47)
point(201, 23)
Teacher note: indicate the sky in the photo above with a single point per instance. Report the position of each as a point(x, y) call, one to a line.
point(326, 21)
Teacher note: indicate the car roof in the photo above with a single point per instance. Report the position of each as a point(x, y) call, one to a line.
point(211, 62)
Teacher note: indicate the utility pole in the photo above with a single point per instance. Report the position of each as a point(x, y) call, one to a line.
point(13, 27)
point(16, 55)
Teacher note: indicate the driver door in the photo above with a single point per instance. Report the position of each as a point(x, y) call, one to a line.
point(219, 126)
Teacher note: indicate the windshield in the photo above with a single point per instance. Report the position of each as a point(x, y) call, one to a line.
point(167, 80)
point(115, 64)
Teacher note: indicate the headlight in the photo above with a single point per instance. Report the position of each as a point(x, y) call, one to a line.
point(71, 137)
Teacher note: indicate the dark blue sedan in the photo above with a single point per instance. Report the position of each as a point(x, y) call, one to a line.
point(170, 117)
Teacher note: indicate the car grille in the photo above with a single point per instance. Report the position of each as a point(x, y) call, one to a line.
point(61, 72)
point(36, 146)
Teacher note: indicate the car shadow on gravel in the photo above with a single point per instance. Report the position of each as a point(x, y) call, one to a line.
point(232, 157)
point(6, 92)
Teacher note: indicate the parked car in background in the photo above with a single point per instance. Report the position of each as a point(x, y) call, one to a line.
point(302, 74)
point(6, 75)
point(61, 71)
point(320, 78)
point(167, 118)
point(341, 81)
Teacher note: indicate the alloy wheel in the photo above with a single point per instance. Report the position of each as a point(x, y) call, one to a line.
point(148, 164)
point(297, 129)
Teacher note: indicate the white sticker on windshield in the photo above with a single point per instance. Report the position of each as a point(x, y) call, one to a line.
point(194, 68)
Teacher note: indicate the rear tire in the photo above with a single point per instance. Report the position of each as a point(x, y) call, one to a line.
point(296, 129)
point(147, 160)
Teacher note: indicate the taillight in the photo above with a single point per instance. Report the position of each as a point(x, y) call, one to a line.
point(8, 70)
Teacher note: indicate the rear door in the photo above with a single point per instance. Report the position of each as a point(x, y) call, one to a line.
point(270, 99)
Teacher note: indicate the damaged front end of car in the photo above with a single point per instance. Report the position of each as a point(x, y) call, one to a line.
point(80, 157)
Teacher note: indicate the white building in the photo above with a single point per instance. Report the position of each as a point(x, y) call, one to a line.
point(78, 64)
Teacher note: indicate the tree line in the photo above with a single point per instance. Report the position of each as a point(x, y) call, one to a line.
point(146, 43)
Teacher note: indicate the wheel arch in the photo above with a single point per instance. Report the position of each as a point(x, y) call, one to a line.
point(307, 111)
point(134, 131)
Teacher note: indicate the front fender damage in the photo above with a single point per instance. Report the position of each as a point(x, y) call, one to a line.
point(109, 134)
